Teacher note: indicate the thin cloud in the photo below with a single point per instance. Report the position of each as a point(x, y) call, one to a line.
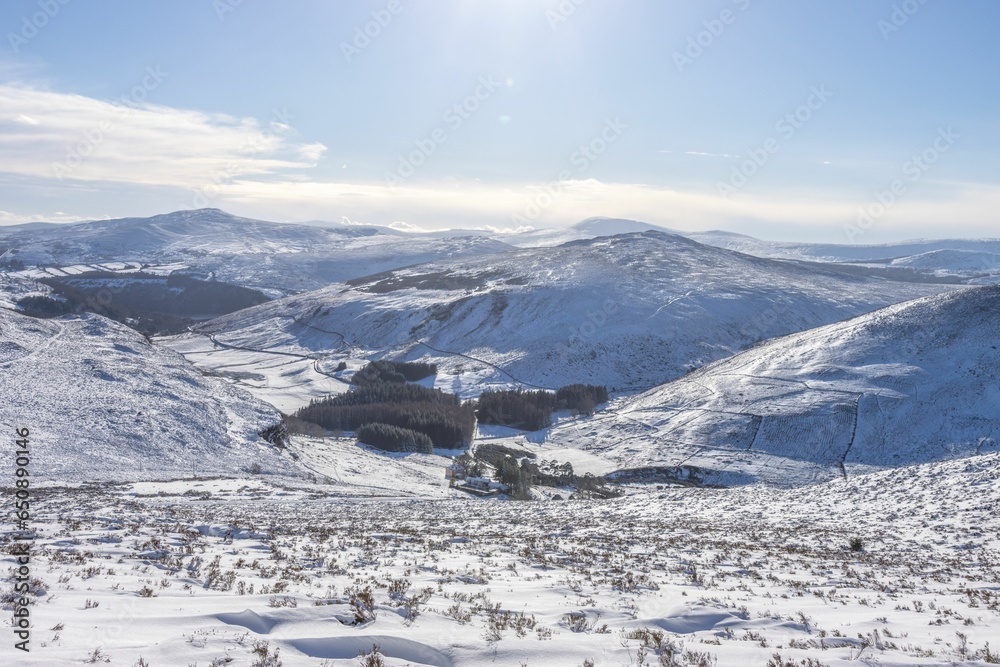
point(62, 136)
point(458, 204)
point(698, 153)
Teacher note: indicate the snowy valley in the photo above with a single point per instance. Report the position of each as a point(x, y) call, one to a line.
point(799, 449)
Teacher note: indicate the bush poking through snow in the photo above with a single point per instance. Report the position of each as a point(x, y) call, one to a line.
point(362, 602)
point(372, 659)
point(98, 655)
point(264, 657)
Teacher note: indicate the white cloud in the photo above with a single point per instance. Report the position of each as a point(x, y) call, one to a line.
point(699, 153)
point(8, 218)
point(73, 137)
point(475, 205)
point(262, 169)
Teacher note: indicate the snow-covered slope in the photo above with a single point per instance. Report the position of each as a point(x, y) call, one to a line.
point(15, 288)
point(915, 382)
point(591, 228)
point(963, 257)
point(954, 261)
point(973, 260)
point(626, 311)
point(254, 253)
point(101, 403)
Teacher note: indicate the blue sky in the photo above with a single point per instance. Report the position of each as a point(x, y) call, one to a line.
point(834, 120)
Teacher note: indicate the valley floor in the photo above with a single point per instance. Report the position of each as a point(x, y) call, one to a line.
point(221, 571)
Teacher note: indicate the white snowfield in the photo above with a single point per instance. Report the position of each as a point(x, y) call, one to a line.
point(101, 403)
point(629, 311)
point(211, 572)
point(914, 382)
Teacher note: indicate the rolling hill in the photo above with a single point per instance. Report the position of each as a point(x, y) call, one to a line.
point(908, 384)
point(627, 311)
point(972, 261)
point(265, 255)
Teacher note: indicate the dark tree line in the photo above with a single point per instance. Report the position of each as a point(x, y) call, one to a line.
point(448, 426)
point(178, 295)
point(149, 323)
point(382, 394)
point(582, 398)
point(393, 371)
point(532, 410)
point(394, 439)
point(389, 392)
point(440, 416)
point(146, 303)
point(527, 410)
point(43, 306)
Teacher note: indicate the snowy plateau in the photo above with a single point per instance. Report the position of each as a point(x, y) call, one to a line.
point(801, 443)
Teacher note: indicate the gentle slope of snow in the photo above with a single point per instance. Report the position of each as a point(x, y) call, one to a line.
point(102, 403)
point(914, 382)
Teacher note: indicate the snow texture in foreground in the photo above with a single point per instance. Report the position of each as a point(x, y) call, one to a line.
point(730, 576)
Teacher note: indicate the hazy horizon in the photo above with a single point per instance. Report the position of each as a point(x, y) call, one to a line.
point(842, 122)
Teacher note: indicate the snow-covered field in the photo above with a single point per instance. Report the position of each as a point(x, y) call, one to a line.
point(217, 571)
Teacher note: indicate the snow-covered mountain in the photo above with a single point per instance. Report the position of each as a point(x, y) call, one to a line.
point(951, 260)
point(101, 403)
point(970, 260)
point(626, 311)
point(858, 253)
point(253, 253)
point(591, 228)
point(911, 383)
point(291, 258)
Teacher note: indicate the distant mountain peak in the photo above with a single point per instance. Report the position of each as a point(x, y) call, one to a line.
point(602, 226)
